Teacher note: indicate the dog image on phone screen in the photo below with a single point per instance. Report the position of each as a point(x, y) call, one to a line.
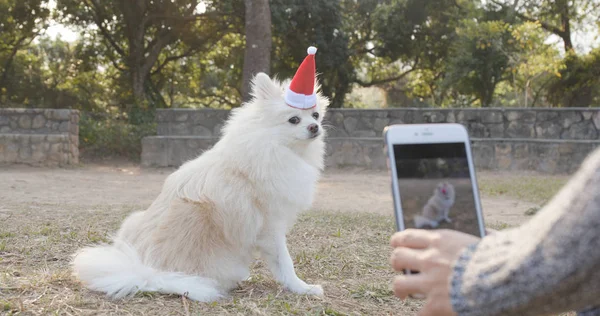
point(199, 236)
point(438, 207)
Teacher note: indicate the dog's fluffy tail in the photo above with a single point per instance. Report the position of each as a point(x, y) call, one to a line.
point(118, 271)
point(422, 221)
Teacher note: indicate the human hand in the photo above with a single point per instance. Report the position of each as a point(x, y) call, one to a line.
point(432, 253)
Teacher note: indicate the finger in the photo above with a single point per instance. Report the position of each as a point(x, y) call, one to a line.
point(406, 258)
point(406, 285)
point(412, 238)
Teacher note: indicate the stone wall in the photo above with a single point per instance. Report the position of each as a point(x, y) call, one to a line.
point(482, 123)
point(165, 151)
point(545, 140)
point(188, 122)
point(577, 124)
point(39, 136)
point(545, 156)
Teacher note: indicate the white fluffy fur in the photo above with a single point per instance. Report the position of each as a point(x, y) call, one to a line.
point(438, 206)
point(199, 236)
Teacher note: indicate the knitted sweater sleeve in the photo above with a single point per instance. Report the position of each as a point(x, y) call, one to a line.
point(549, 265)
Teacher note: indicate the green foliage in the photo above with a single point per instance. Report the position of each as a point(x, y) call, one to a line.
point(189, 53)
point(409, 29)
point(56, 74)
point(140, 38)
point(26, 83)
point(479, 59)
point(20, 22)
point(468, 53)
point(415, 37)
point(553, 80)
point(558, 17)
point(138, 55)
point(110, 136)
point(533, 64)
point(578, 82)
point(210, 80)
point(299, 24)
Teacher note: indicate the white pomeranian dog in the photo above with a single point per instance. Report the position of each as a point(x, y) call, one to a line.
point(199, 237)
point(438, 206)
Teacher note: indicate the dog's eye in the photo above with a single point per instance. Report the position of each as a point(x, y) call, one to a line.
point(294, 120)
point(316, 115)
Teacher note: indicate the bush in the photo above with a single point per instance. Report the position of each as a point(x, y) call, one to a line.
point(112, 137)
point(578, 84)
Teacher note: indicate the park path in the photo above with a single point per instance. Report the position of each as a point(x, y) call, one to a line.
point(95, 185)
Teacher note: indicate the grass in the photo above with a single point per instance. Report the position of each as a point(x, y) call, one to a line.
point(498, 226)
point(346, 253)
point(533, 188)
point(532, 210)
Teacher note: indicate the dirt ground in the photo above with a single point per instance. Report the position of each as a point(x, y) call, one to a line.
point(127, 184)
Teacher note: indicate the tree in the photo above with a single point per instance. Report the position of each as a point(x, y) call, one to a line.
point(212, 79)
point(533, 64)
point(55, 74)
point(298, 24)
point(573, 86)
point(141, 37)
point(414, 39)
point(26, 84)
point(20, 22)
point(73, 77)
point(558, 17)
point(577, 85)
point(479, 59)
point(257, 56)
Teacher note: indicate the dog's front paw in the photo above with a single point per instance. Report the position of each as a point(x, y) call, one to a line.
point(308, 289)
point(315, 289)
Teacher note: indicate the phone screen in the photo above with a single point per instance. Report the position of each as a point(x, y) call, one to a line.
point(435, 187)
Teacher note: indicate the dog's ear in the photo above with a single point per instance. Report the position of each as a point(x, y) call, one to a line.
point(263, 88)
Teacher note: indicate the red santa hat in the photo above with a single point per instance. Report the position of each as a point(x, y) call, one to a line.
point(301, 92)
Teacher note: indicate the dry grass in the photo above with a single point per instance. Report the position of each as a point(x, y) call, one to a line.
point(536, 188)
point(347, 253)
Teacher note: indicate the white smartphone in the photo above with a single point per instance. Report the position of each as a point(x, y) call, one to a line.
point(433, 178)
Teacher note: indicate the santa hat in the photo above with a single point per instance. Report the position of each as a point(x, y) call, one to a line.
point(301, 92)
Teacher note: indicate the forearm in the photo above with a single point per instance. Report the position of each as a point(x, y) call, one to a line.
point(517, 289)
point(590, 311)
point(548, 265)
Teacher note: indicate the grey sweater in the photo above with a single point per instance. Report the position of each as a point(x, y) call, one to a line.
point(547, 266)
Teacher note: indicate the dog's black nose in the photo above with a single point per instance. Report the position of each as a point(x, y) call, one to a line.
point(313, 128)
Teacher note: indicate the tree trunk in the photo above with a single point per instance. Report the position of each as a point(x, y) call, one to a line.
point(565, 22)
point(257, 57)
point(137, 82)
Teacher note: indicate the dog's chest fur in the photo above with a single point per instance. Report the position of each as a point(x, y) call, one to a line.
point(289, 186)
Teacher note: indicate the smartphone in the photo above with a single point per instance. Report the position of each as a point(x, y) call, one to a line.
point(433, 178)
